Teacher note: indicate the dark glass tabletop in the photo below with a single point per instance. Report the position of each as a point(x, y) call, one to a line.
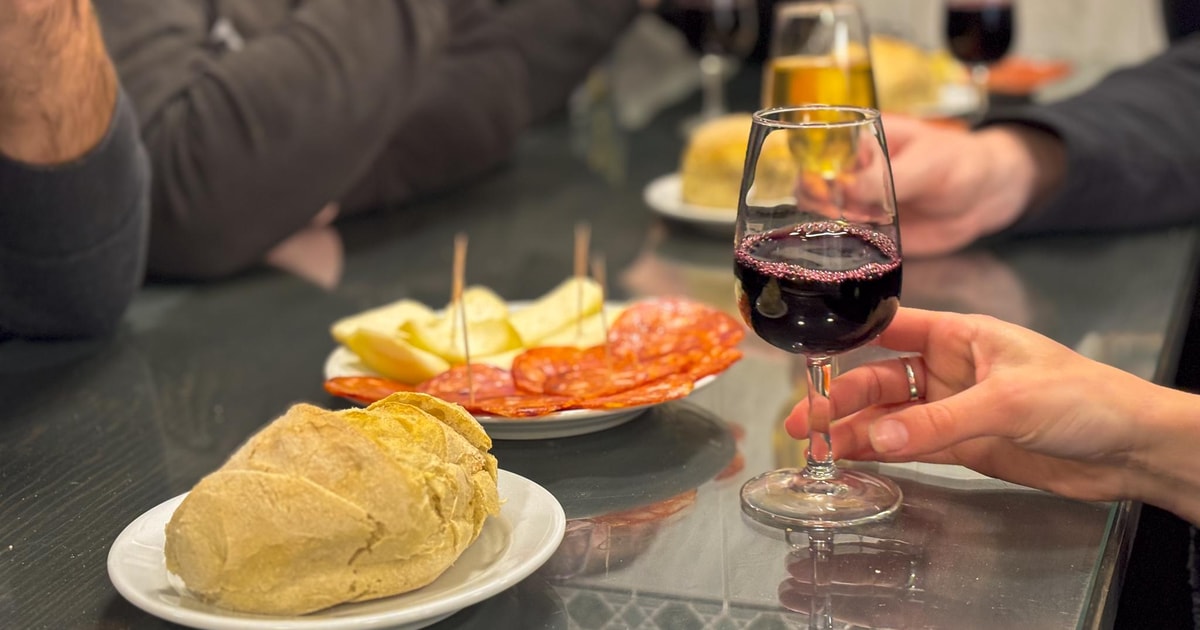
point(95, 433)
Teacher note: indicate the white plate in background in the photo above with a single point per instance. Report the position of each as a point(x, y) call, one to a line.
point(664, 195)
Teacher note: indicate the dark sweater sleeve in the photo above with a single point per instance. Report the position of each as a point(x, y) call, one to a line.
point(505, 69)
point(1132, 147)
point(249, 144)
point(73, 237)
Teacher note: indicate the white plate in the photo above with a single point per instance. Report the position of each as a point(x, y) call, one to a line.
point(954, 100)
point(664, 195)
point(343, 362)
point(509, 548)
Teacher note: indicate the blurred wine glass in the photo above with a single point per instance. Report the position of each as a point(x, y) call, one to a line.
point(979, 33)
point(722, 31)
point(820, 54)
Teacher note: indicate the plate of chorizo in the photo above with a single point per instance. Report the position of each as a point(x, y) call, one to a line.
point(655, 351)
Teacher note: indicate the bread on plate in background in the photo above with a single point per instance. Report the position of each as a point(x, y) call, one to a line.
point(908, 80)
point(325, 507)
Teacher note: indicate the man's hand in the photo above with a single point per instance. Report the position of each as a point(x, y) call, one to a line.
point(954, 186)
point(57, 84)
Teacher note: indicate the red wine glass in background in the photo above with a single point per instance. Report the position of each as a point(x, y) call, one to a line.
point(817, 266)
point(979, 33)
point(722, 31)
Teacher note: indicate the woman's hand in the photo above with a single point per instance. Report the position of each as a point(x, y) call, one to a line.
point(1012, 404)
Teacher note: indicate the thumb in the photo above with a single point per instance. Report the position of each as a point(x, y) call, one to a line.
point(935, 426)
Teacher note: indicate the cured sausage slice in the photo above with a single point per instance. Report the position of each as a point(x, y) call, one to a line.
point(671, 387)
point(489, 382)
point(672, 325)
point(364, 389)
point(714, 361)
point(532, 368)
point(594, 379)
point(524, 405)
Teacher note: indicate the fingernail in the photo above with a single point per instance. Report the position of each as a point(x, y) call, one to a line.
point(888, 435)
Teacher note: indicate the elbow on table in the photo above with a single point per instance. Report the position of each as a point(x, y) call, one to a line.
point(82, 300)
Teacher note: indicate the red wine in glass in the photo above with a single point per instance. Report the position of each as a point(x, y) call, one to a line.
point(980, 32)
point(820, 288)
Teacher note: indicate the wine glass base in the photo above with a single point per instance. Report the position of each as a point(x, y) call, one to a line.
point(788, 499)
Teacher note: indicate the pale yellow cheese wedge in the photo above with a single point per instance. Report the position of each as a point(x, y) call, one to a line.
point(444, 338)
point(394, 357)
point(555, 310)
point(385, 319)
point(482, 305)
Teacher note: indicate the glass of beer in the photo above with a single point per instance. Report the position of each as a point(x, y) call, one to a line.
point(820, 54)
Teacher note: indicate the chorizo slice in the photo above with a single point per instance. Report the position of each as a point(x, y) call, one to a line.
point(671, 387)
point(486, 381)
point(364, 389)
point(524, 405)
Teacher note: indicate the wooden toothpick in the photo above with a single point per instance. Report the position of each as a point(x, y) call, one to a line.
point(599, 275)
point(583, 237)
point(460, 270)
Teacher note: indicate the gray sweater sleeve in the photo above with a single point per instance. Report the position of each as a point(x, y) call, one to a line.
point(1132, 147)
point(73, 237)
point(248, 144)
point(502, 70)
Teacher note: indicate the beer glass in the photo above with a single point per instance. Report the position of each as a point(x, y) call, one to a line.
point(820, 54)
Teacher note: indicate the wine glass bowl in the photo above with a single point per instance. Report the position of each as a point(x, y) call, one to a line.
point(818, 273)
point(721, 31)
point(820, 53)
point(979, 33)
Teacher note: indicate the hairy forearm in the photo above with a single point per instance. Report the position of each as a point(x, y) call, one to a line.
point(57, 84)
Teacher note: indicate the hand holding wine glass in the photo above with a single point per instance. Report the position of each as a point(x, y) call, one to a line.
point(979, 33)
point(818, 274)
point(1013, 404)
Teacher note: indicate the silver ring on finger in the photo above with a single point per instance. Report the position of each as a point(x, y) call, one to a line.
point(913, 394)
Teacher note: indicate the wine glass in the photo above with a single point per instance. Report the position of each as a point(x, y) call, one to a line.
point(820, 53)
point(817, 263)
point(979, 33)
point(721, 31)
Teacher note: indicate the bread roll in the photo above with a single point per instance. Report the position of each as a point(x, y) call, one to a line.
point(715, 156)
point(322, 507)
point(909, 79)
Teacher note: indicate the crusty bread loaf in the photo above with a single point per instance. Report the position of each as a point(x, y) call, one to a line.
point(715, 156)
point(909, 79)
point(322, 507)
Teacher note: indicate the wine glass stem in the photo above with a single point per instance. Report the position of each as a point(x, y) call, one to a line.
point(979, 78)
point(712, 85)
point(820, 447)
point(820, 611)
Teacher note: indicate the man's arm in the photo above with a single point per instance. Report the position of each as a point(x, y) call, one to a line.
point(73, 178)
point(58, 87)
point(249, 144)
point(1132, 149)
point(503, 69)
